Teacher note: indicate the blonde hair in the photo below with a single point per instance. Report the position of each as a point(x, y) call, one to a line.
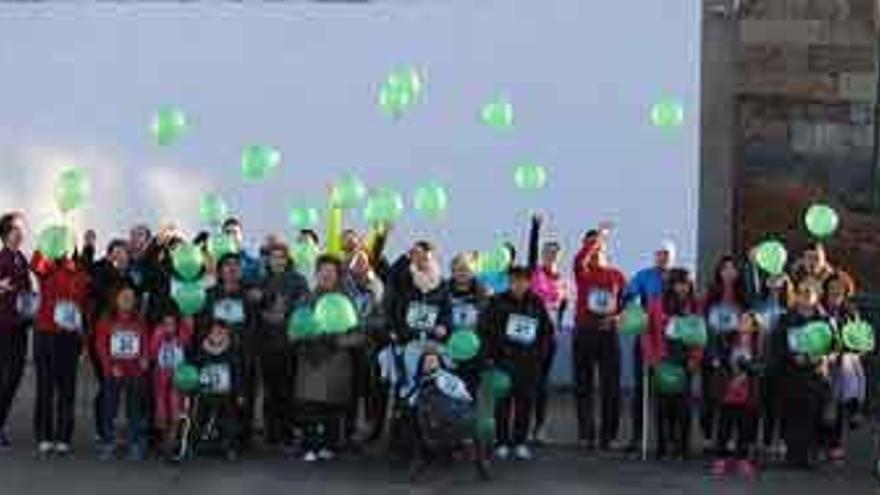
point(467, 259)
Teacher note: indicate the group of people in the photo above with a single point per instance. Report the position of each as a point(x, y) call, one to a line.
point(751, 390)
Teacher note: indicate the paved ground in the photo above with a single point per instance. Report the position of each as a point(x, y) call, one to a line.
point(557, 470)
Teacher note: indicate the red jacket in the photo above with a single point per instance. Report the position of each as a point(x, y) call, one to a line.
point(169, 339)
point(60, 281)
point(589, 278)
point(122, 344)
point(654, 348)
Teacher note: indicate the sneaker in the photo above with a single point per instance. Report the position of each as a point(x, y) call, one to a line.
point(502, 453)
point(719, 467)
point(62, 449)
point(522, 453)
point(326, 454)
point(44, 449)
point(746, 468)
point(310, 457)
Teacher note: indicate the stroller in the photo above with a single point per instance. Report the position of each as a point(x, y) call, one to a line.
point(209, 423)
point(433, 413)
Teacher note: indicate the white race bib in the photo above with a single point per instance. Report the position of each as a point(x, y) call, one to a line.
point(794, 340)
point(464, 315)
point(421, 316)
point(27, 303)
point(216, 378)
point(723, 318)
point(451, 386)
point(170, 356)
point(601, 302)
point(229, 311)
point(671, 331)
point(68, 316)
point(522, 329)
point(125, 344)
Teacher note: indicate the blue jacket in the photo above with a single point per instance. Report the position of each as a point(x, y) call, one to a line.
point(646, 285)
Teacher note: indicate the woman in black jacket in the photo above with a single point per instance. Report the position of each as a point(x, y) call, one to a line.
point(418, 300)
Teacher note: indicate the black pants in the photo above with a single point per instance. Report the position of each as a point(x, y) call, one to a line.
point(804, 397)
point(597, 349)
point(13, 353)
point(322, 425)
point(519, 406)
point(360, 386)
point(739, 420)
point(276, 369)
point(98, 401)
point(709, 406)
point(225, 415)
point(56, 357)
point(542, 387)
point(636, 407)
point(673, 417)
point(771, 409)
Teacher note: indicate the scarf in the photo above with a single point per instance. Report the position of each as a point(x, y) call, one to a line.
point(428, 280)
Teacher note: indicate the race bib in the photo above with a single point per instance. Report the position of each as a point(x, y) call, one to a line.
point(125, 344)
point(464, 315)
point(170, 356)
point(215, 379)
point(27, 303)
point(723, 318)
point(362, 303)
point(421, 316)
point(68, 316)
point(522, 329)
point(601, 302)
point(452, 387)
point(229, 311)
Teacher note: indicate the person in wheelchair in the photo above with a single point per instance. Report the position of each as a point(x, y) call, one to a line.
point(215, 410)
point(444, 417)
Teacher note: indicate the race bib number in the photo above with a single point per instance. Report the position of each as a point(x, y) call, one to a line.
point(68, 316)
point(215, 379)
point(522, 329)
point(125, 344)
point(601, 302)
point(362, 303)
point(229, 311)
point(26, 304)
point(723, 318)
point(420, 316)
point(464, 316)
point(795, 337)
point(452, 387)
point(170, 356)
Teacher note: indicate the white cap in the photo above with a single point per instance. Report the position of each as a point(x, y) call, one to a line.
point(668, 246)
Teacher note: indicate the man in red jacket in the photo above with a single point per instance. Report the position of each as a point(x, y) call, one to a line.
point(600, 289)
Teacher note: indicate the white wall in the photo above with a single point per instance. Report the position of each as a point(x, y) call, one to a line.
point(79, 81)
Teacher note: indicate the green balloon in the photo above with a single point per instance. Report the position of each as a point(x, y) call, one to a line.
point(430, 199)
point(821, 220)
point(485, 427)
point(667, 113)
point(212, 209)
point(394, 101)
point(190, 297)
point(408, 81)
point(463, 345)
point(188, 261)
point(169, 125)
point(220, 245)
point(498, 382)
point(259, 161)
point(669, 378)
point(815, 339)
point(633, 320)
point(530, 177)
point(348, 192)
point(498, 114)
point(56, 241)
point(72, 189)
point(303, 217)
point(304, 254)
point(858, 336)
point(495, 261)
point(334, 313)
point(771, 257)
point(302, 323)
point(690, 330)
point(383, 206)
point(186, 378)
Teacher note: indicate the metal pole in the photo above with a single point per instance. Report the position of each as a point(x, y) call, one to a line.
point(875, 145)
point(646, 421)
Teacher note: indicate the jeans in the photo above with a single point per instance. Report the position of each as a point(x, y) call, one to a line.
point(56, 357)
point(135, 391)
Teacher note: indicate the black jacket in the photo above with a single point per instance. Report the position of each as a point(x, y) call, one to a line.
point(406, 301)
point(516, 334)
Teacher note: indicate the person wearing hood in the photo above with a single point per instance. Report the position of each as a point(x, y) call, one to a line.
point(228, 306)
point(17, 308)
point(324, 372)
point(516, 330)
point(281, 289)
point(419, 304)
point(596, 346)
point(646, 286)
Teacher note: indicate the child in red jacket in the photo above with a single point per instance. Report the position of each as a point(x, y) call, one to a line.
point(122, 344)
point(168, 343)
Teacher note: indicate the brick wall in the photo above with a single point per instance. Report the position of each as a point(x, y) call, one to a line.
point(805, 104)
